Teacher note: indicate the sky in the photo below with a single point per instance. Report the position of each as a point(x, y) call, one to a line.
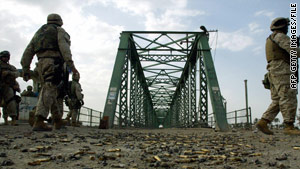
point(95, 27)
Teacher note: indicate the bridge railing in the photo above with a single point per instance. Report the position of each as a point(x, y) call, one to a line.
point(236, 118)
point(89, 117)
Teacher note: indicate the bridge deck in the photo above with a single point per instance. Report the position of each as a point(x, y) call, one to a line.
point(145, 148)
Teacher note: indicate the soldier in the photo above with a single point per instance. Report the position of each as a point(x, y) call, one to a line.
point(51, 43)
point(8, 88)
point(29, 92)
point(284, 98)
point(75, 99)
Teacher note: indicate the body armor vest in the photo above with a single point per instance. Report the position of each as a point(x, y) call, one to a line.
point(73, 103)
point(46, 38)
point(274, 51)
point(9, 80)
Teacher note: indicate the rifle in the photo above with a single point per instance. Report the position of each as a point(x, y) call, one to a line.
point(63, 84)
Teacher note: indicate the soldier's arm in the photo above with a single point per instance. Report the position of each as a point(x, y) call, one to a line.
point(27, 57)
point(64, 44)
point(12, 72)
point(78, 92)
point(284, 42)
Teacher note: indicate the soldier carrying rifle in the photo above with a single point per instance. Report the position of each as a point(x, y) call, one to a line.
point(51, 44)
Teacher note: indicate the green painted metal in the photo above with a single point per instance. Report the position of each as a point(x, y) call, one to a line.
point(203, 104)
point(213, 86)
point(155, 75)
point(115, 82)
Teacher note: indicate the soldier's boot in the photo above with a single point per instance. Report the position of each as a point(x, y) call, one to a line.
point(68, 121)
point(31, 117)
point(262, 125)
point(74, 120)
point(289, 129)
point(39, 124)
point(74, 123)
point(13, 121)
point(31, 120)
point(5, 121)
point(59, 123)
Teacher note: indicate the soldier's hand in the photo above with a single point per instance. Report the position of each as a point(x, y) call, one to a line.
point(74, 70)
point(26, 76)
point(81, 102)
point(17, 88)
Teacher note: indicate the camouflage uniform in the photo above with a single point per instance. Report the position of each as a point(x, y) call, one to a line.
point(51, 44)
point(8, 88)
point(75, 100)
point(284, 99)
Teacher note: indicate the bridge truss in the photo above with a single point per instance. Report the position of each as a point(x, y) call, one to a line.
point(163, 78)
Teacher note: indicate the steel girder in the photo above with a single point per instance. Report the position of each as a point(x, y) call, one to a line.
point(155, 75)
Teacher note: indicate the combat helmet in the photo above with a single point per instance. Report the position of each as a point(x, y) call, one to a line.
point(5, 53)
point(279, 23)
point(29, 88)
point(54, 19)
point(76, 76)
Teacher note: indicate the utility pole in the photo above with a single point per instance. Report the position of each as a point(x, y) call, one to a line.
point(246, 97)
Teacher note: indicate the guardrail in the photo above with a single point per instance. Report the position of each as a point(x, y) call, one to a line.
point(89, 117)
point(237, 119)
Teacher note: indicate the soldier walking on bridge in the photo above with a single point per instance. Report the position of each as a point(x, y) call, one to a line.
point(284, 99)
point(51, 43)
point(8, 88)
point(74, 100)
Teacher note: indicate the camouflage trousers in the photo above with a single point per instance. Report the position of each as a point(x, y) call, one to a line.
point(8, 100)
point(73, 113)
point(284, 99)
point(48, 100)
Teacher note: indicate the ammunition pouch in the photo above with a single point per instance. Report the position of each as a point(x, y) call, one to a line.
point(266, 81)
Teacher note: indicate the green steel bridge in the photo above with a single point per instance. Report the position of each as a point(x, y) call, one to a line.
point(163, 78)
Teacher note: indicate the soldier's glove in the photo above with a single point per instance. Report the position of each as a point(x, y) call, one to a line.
point(74, 70)
point(81, 102)
point(16, 88)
